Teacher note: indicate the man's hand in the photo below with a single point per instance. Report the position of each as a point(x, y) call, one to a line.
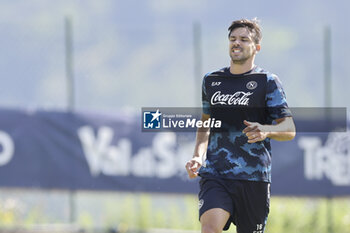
point(255, 131)
point(192, 167)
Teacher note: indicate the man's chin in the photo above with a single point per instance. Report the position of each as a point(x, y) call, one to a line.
point(238, 61)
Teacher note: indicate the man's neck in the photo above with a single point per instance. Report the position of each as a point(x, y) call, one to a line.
point(241, 68)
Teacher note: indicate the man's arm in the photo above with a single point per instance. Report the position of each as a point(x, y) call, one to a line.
point(284, 130)
point(200, 149)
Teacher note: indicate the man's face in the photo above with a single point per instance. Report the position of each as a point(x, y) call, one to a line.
point(242, 46)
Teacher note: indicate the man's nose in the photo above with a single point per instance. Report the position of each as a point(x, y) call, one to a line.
point(236, 43)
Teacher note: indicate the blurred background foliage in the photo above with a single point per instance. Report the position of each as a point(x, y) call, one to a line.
point(129, 54)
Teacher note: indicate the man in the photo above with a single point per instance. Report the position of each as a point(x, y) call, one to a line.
point(234, 163)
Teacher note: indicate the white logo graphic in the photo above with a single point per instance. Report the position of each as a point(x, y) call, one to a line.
point(101, 156)
point(215, 84)
point(161, 159)
point(331, 160)
point(238, 98)
point(8, 148)
point(191, 123)
point(252, 85)
point(259, 228)
point(200, 203)
point(156, 115)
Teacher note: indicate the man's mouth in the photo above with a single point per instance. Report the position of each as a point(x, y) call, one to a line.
point(236, 50)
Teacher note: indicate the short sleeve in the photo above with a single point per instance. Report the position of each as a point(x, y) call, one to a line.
point(276, 102)
point(205, 100)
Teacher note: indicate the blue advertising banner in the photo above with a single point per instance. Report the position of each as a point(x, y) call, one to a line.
point(86, 151)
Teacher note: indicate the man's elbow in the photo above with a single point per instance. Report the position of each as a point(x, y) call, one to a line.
point(292, 131)
point(291, 135)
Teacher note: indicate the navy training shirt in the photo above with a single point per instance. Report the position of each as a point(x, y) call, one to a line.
point(255, 96)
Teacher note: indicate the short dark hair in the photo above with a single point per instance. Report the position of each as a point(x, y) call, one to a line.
point(252, 26)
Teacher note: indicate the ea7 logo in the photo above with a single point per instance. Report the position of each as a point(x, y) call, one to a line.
point(215, 84)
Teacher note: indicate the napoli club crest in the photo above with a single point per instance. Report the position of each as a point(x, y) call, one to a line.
point(252, 85)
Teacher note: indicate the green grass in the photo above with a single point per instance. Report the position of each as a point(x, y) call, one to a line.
point(147, 211)
point(287, 215)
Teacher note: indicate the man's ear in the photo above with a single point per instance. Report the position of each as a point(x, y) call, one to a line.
point(257, 47)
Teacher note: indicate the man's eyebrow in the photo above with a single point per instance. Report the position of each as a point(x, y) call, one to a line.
point(239, 36)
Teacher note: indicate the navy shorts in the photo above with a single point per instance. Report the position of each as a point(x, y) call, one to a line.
point(248, 202)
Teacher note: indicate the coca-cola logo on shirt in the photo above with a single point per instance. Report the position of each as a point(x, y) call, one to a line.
point(238, 98)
